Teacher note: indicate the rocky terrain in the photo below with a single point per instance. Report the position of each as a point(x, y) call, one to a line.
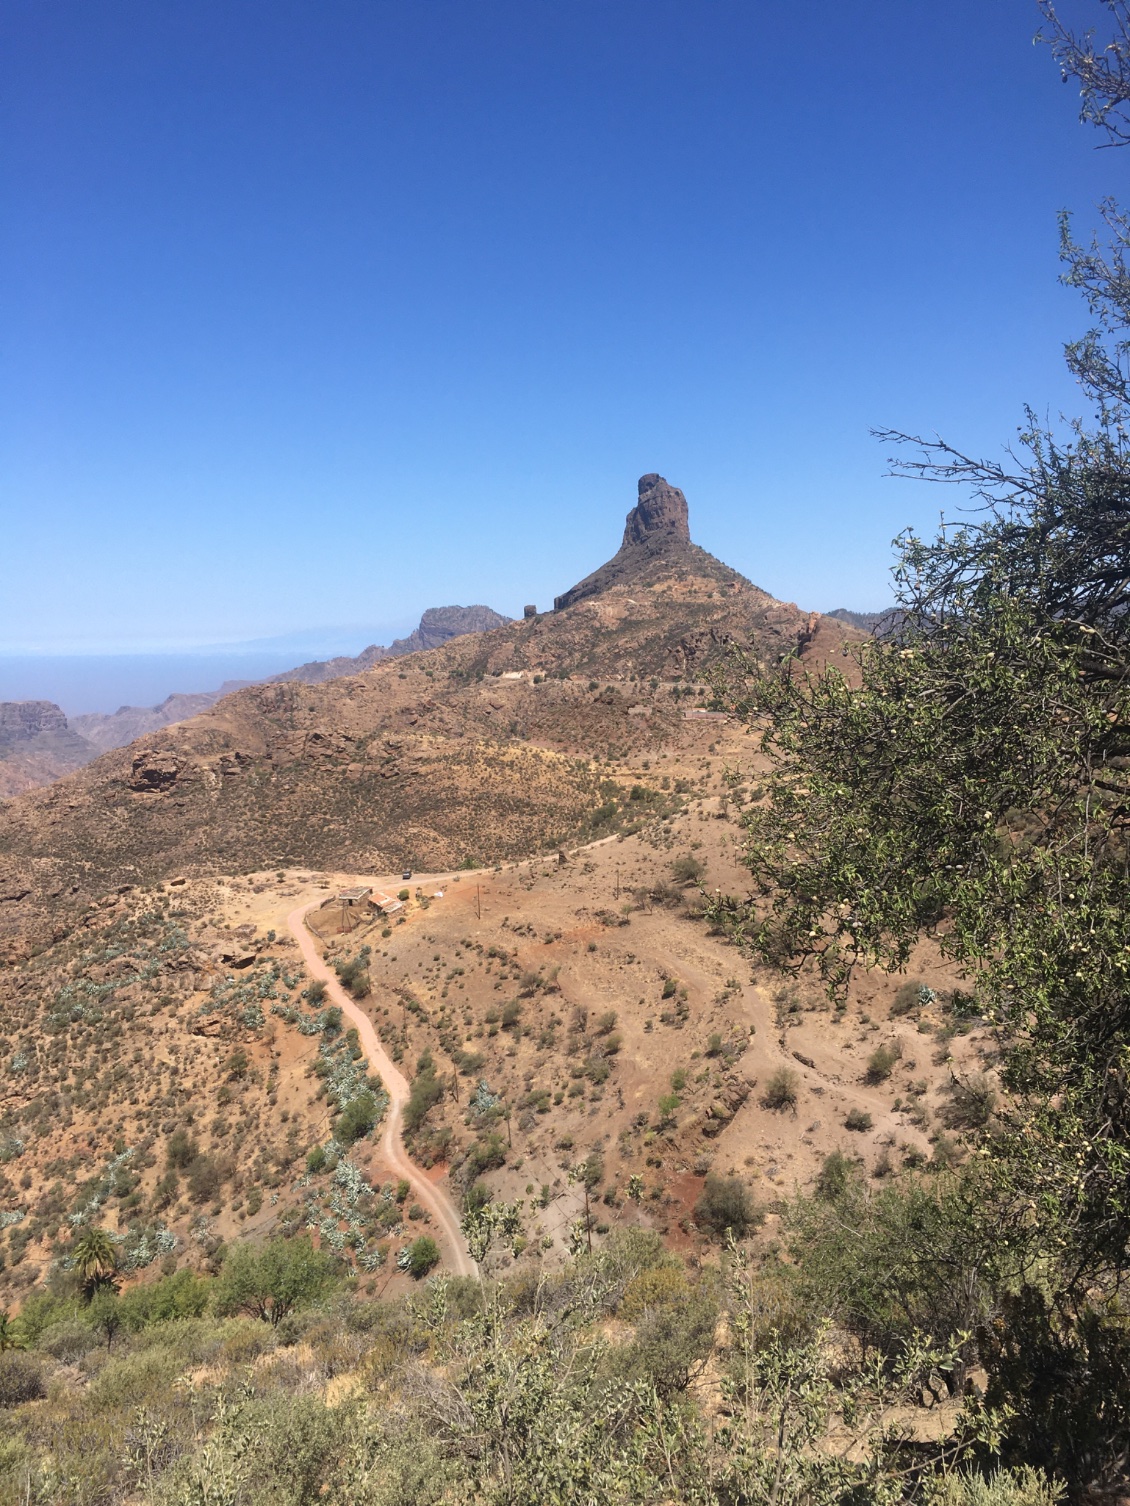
point(490, 747)
point(438, 625)
point(552, 987)
point(166, 1062)
point(114, 729)
point(38, 745)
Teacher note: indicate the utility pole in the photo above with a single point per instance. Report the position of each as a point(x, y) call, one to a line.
point(478, 903)
point(617, 880)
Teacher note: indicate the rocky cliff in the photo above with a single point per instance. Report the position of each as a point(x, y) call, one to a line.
point(37, 745)
point(106, 730)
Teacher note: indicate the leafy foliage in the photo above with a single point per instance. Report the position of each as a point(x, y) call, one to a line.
point(269, 1281)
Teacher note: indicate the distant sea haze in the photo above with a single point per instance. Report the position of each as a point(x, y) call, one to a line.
point(83, 683)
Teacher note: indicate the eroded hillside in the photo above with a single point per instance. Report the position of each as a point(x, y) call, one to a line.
point(564, 1020)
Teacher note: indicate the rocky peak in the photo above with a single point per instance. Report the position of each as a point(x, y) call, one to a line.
point(657, 543)
point(661, 512)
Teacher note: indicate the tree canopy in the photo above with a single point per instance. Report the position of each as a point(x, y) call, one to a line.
point(269, 1281)
point(975, 787)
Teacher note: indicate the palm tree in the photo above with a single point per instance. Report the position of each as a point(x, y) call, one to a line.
point(95, 1259)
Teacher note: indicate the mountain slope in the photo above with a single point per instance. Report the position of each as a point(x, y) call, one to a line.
point(115, 729)
point(657, 545)
point(479, 750)
point(438, 625)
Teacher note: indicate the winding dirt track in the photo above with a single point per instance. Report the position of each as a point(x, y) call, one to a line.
point(391, 1146)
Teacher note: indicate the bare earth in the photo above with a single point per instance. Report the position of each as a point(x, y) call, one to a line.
point(391, 1146)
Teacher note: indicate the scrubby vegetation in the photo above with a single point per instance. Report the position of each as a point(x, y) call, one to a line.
point(972, 788)
point(272, 1382)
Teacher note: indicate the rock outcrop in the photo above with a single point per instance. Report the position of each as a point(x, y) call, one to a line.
point(439, 625)
point(37, 745)
point(659, 516)
point(21, 721)
point(657, 542)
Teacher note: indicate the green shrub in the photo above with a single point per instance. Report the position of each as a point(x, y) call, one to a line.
point(881, 1062)
point(354, 975)
point(687, 869)
point(427, 1090)
point(972, 1104)
point(357, 1119)
point(780, 1090)
point(41, 1310)
point(486, 1154)
point(858, 1119)
point(1004, 1487)
point(207, 1176)
point(423, 1254)
point(21, 1378)
point(269, 1281)
point(727, 1204)
point(907, 999)
point(836, 1174)
point(184, 1294)
point(68, 1341)
point(181, 1150)
point(673, 1341)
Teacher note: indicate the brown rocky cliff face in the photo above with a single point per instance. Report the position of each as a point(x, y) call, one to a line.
point(23, 720)
point(660, 513)
point(37, 745)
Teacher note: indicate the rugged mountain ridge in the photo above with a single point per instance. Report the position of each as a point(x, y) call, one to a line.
point(114, 729)
point(868, 622)
point(39, 745)
point(482, 749)
point(438, 625)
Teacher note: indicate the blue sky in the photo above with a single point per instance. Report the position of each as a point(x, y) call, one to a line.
point(313, 315)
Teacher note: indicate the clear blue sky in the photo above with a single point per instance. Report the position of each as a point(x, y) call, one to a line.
point(315, 314)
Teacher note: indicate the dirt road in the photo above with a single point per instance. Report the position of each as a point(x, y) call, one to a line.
point(434, 1199)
